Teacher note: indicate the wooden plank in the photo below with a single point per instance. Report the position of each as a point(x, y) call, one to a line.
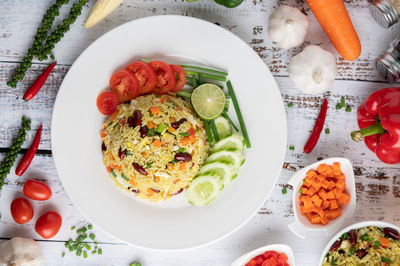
point(249, 22)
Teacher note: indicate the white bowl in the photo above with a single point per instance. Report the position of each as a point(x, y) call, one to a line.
point(278, 248)
point(355, 226)
point(301, 224)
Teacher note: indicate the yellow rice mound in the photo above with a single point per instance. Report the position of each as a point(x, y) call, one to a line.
point(123, 146)
point(368, 240)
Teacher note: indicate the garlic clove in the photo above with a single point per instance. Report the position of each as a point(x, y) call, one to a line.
point(313, 70)
point(288, 27)
point(20, 251)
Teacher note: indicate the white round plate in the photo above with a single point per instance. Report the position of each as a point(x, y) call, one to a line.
point(76, 122)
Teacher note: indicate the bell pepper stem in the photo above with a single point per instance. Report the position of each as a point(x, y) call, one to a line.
point(358, 135)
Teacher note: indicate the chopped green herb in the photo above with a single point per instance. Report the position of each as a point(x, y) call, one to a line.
point(157, 96)
point(333, 262)
point(214, 130)
point(291, 147)
point(376, 243)
point(71, 249)
point(124, 177)
point(87, 246)
point(109, 123)
point(128, 152)
point(338, 106)
point(94, 251)
point(290, 105)
point(352, 250)
point(149, 165)
point(383, 259)
point(96, 242)
point(364, 237)
point(150, 114)
point(73, 228)
point(342, 103)
point(181, 150)
point(161, 129)
point(135, 264)
point(327, 131)
point(174, 104)
point(78, 252)
point(81, 230)
point(284, 191)
point(85, 254)
point(304, 181)
point(90, 227)
point(348, 109)
point(185, 134)
point(150, 132)
point(113, 173)
point(92, 236)
point(62, 255)
point(344, 236)
point(174, 161)
point(300, 191)
point(99, 251)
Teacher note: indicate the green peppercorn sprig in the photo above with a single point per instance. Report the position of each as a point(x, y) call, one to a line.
point(12, 154)
point(80, 245)
point(43, 44)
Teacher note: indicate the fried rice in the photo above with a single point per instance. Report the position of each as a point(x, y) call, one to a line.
point(154, 146)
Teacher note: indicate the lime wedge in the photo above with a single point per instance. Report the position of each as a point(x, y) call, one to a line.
point(203, 189)
point(208, 101)
point(224, 129)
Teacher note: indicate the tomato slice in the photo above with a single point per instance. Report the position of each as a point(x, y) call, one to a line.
point(180, 77)
point(107, 102)
point(165, 77)
point(145, 75)
point(124, 85)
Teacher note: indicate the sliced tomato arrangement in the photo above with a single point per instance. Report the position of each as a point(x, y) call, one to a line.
point(141, 78)
point(269, 258)
point(125, 85)
point(165, 77)
point(180, 77)
point(145, 75)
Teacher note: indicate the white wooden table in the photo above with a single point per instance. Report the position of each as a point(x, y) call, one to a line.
point(378, 184)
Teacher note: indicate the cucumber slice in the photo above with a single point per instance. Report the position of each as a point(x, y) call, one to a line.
point(223, 170)
point(231, 143)
point(224, 129)
point(202, 190)
point(236, 159)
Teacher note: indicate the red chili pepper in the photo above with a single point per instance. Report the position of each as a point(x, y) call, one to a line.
point(319, 125)
point(37, 85)
point(27, 159)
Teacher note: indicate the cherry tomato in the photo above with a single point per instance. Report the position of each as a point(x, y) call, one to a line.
point(145, 75)
point(107, 102)
point(21, 210)
point(165, 77)
point(124, 85)
point(180, 77)
point(36, 190)
point(48, 224)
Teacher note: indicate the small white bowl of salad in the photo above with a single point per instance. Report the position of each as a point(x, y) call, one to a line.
point(277, 253)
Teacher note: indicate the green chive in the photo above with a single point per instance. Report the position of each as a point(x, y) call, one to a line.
point(87, 246)
point(352, 250)
point(161, 128)
point(342, 103)
point(291, 147)
point(73, 228)
point(149, 165)
point(113, 173)
point(348, 109)
point(85, 254)
point(194, 82)
point(150, 132)
point(239, 114)
point(187, 94)
point(94, 251)
point(338, 106)
point(208, 131)
point(99, 251)
point(135, 264)
point(377, 243)
point(364, 237)
point(300, 191)
point(383, 259)
point(284, 191)
point(225, 114)
point(96, 244)
point(78, 252)
point(205, 75)
point(214, 130)
point(206, 70)
point(290, 105)
point(91, 226)
point(128, 152)
point(184, 134)
point(124, 177)
point(92, 236)
point(327, 131)
point(62, 255)
point(181, 150)
point(145, 60)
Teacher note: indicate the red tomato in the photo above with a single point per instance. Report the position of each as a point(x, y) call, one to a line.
point(124, 85)
point(48, 224)
point(37, 190)
point(165, 77)
point(21, 210)
point(107, 102)
point(145, 75)
point(180, 77)
point(269, 258)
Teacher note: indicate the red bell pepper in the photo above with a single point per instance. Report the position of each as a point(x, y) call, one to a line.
point(379, 122)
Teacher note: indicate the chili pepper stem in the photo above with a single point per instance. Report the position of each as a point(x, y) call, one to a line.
point(358, 135)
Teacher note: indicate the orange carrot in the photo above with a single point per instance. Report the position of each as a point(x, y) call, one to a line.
point(157, 143)
point(170, 166)
point(316, 200)
point(384, 242)
point(336, 22)
point(103, 134)
point(333, 204)
point(171, 129)
point(315, 219)
point(325, 204)
point(155, 110)
point(182, 166)
point(185, 141)
point(114, 115)
point(151, 125)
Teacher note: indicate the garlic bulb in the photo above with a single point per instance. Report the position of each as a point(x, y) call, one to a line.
point(288, 27)
point(20, 252)
point(313, 70)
